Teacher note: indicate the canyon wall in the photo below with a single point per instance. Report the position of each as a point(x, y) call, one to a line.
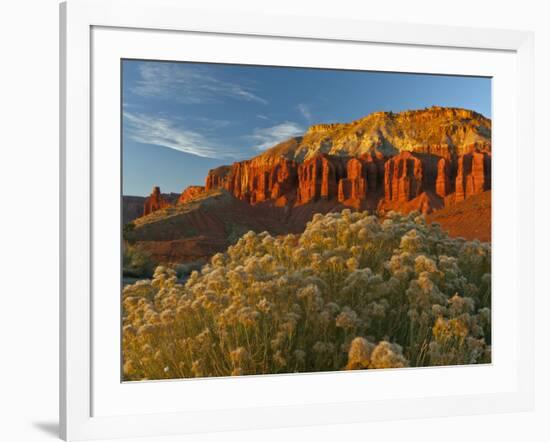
point(404, 161)
point(255, 181)
point(352, 180)
point(391, 182)
point(473, 175)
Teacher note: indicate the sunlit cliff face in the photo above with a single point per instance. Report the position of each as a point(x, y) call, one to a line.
point(436, 160)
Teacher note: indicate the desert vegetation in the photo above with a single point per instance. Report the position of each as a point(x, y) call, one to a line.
point(135, 262)
point(353, 291)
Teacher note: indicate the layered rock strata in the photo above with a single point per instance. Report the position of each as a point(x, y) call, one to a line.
point(254, 181)
point(190, 193)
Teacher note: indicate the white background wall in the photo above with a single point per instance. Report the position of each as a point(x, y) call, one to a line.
point(29, 207)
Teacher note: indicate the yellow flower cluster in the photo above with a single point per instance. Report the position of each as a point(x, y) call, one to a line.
point(351, 292)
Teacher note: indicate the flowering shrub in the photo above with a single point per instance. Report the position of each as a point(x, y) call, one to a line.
point(351, 292)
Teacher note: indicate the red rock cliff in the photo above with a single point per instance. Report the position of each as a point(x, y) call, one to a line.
point(391, 182)
point(255, 181)
point(353, 188)
point(473, 174)
point(403, 177)
point(364, 177)
point(189, 193)
point(393, 157)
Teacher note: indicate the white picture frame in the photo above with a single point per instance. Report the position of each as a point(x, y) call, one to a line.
point(80, 378)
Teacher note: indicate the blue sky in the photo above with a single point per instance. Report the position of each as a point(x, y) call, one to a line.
point(182, 119)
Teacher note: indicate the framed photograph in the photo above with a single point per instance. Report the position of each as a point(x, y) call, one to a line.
point(284, 221)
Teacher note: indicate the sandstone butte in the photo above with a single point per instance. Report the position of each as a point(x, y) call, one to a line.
point(157, 201)
point(414, 160)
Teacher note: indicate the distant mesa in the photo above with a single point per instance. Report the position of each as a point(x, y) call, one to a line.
point(132, 208)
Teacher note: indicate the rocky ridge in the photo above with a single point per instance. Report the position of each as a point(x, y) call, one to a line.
point(442, 131)
point(377, 161)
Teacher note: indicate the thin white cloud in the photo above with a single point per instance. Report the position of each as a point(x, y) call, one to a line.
point(263, 117)
point(188, 84)
point(161, 131)
point(206, 124)
point(305, 111)
point(270, 136)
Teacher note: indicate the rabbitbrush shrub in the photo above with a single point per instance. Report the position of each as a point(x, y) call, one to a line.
point(352, 292)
